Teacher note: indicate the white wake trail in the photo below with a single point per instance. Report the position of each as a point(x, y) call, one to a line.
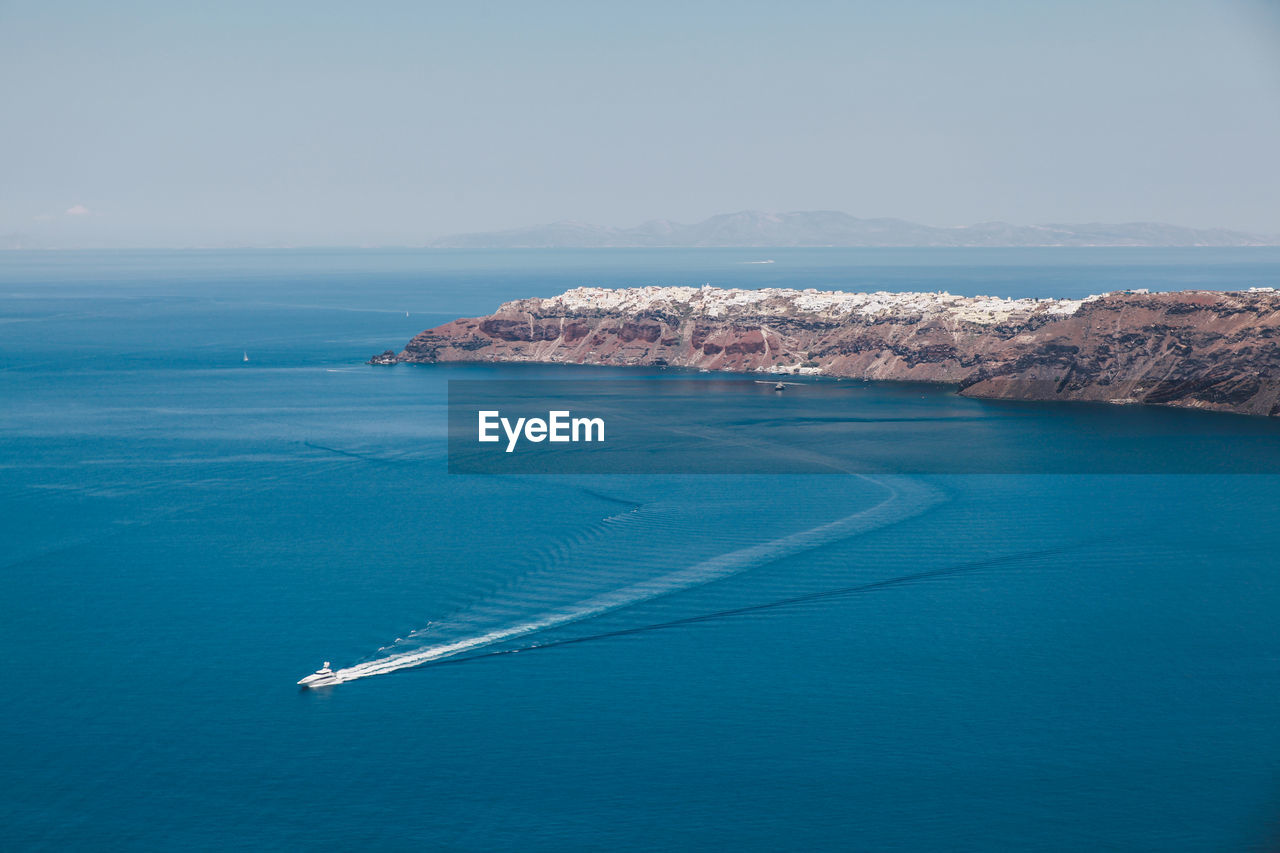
point(907, 498)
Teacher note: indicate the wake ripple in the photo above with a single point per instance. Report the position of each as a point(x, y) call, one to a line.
point(906, 498)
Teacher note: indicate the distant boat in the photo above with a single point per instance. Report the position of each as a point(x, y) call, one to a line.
point(246, 356)
point(406, 313)
point(779, 386)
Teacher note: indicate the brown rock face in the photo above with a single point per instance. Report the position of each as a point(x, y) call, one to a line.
point(1201, 349)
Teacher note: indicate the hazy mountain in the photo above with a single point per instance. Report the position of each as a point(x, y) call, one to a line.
point(17, 241)
point(751, 228)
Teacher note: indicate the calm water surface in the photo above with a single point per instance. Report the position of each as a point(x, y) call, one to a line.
point(917, 663)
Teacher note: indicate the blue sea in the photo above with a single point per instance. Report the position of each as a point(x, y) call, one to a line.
point(874, 661)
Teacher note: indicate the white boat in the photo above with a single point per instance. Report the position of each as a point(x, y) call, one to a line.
point(322, 677)
point(777, 386)
point(246, 356)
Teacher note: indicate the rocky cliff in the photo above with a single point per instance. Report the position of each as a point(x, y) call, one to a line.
point(1199, 349)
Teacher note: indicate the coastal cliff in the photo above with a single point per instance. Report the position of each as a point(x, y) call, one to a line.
point(1197, 349)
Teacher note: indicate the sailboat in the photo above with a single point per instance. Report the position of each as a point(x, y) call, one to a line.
point(246, 356)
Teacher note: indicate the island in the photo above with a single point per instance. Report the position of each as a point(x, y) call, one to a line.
point(763, 229)
point(1199, 349)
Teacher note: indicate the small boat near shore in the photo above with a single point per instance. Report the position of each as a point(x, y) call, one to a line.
point(778, 386)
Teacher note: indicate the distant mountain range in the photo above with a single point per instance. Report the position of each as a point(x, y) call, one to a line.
point(751, 228)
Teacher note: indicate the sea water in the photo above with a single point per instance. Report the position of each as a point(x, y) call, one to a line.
point(865, 661)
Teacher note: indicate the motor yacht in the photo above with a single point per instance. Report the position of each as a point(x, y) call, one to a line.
point(322, 677)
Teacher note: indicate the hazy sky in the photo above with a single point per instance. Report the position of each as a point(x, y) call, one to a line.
point(155, 124)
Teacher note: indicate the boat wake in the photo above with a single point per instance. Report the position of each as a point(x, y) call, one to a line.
point(906, 498)
point(1005, 560)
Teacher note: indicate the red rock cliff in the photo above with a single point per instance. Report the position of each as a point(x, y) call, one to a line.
point(1201, 349)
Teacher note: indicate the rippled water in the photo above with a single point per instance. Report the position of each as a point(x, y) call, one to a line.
point(941, 662)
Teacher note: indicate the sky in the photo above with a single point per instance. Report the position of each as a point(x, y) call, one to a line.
point(391, 123)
